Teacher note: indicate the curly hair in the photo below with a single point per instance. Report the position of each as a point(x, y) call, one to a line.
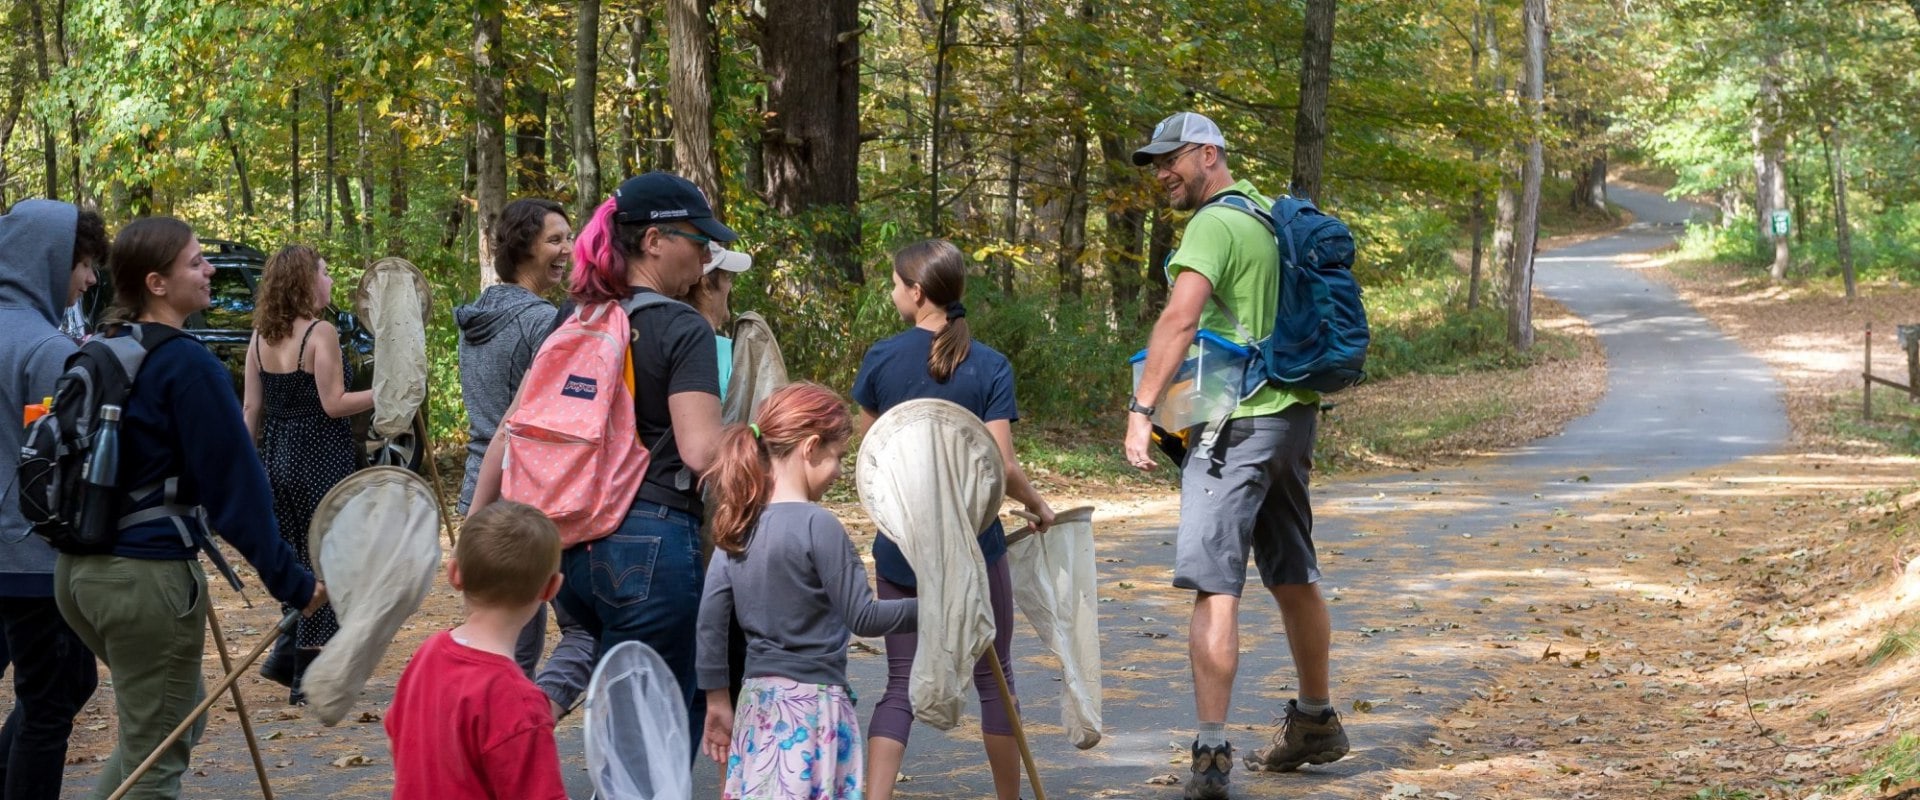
point(90, 238)
point(286, 292)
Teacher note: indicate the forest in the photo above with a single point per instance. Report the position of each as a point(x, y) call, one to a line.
point(1450, 134)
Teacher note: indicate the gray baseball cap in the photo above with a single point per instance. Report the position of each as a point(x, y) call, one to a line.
point(1178, 131)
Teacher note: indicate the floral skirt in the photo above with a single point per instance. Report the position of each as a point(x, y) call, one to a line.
point(795, 741)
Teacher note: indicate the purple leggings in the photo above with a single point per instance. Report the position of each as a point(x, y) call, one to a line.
point(893, 715)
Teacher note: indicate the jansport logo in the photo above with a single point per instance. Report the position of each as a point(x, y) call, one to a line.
point(583, 388)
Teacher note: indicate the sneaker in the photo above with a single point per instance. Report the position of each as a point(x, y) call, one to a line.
point(1302, 740)
point(1210, 768)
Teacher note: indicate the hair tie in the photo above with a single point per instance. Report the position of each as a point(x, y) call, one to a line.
point(755, 429)
point(956, 310)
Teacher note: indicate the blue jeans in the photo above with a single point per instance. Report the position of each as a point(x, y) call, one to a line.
point(642, 583)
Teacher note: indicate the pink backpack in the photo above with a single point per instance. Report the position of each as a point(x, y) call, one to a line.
point(573, 448)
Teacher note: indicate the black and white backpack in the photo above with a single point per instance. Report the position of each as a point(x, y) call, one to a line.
point(54, 449)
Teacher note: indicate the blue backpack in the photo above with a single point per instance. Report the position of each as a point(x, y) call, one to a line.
point(1320, 335)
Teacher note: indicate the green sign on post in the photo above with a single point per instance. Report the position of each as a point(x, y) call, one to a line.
point(1782, 223)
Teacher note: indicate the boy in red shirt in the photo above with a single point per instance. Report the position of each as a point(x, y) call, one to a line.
point(465, 721)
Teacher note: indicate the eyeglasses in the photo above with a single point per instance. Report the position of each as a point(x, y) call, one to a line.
point(1165, 163)
point(697, 239)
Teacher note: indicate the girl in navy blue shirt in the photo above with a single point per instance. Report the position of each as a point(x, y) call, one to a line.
point(938, 358)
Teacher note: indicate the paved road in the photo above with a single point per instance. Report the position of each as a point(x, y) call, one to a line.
point(1401, 571)
point(1680, 397)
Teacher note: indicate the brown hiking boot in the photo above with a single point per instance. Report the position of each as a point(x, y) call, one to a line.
point(1302, 740)
point(1210, 768)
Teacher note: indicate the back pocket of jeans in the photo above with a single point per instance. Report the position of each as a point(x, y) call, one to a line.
point(622, 568)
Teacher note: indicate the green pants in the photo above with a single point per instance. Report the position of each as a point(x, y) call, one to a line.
point(147, 621)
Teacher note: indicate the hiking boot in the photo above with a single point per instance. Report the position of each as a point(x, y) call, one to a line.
point(1302, 740)
point(1210, 768)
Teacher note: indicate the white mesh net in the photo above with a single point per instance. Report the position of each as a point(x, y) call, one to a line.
point(376, 544)
point(931, 478)
point(636, 728)
point(1058, 591)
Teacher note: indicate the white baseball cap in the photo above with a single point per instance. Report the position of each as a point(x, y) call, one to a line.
point(729, 260)
point(1178, 131)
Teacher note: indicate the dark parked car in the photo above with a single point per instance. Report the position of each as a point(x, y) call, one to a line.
point(227, 325)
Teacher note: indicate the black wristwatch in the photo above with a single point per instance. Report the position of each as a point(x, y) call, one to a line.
point(1134, 407)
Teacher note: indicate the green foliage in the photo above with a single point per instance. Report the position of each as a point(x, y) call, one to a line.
point(1894, 764)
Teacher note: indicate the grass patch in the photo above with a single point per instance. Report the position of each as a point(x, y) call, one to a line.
point(1895, 764)
point(1895, 645)
point(1404, 436)
point(1895, 424)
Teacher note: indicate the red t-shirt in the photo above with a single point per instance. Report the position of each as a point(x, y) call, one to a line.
point(466, 723)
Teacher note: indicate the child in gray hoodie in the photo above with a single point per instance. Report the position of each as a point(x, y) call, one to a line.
point(48, 252)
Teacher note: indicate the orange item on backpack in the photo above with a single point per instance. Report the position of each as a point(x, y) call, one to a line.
point(573, 449)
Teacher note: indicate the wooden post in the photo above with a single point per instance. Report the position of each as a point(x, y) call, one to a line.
point(1910, 340)
point(1866, 379)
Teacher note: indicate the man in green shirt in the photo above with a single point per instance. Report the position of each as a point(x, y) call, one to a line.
point(1244, 484)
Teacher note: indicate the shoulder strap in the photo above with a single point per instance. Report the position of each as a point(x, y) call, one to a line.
point(300, 357)
point(1239, 201)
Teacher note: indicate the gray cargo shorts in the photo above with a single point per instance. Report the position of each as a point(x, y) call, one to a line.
point(1246, 489)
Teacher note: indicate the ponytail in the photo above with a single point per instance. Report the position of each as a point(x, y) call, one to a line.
point(937, 267)
point(739, 484)
point(741, 477)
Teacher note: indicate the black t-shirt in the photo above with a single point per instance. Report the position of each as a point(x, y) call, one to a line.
point(673, 352)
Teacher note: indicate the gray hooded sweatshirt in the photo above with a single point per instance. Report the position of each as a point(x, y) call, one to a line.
point(499, 334)
point(36, 264)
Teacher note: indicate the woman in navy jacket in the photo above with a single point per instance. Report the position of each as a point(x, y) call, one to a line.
point(143, 607)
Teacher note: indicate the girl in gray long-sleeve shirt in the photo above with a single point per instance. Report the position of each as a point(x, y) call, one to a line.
point(785, 568)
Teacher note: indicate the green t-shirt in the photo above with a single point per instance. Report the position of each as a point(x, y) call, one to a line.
point(1237, 254)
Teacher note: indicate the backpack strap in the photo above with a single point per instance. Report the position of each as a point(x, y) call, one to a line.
point(1239, 201)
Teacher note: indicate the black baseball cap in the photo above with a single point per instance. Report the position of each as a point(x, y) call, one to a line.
point(665, 197)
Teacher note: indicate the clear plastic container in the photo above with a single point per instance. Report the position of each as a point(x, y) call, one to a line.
point(1208, 386)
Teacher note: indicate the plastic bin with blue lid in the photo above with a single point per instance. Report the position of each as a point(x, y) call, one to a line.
point(1208, 386)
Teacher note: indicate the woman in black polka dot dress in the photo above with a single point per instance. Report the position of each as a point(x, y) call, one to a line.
point(297, 408)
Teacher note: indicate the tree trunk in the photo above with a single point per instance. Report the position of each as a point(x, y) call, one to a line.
point(810, 147)
point(49, 148)
point(293, 156)
point(1310, 121)
point(16, 98)
point(364, 166)
point(1073, 225)
point(1477, 214)
point(239, 165)
point(397, 193)
point(690, 90)
point(631, 98)
point(331, 102)
point(1015, 154)
point(74, 139)
point(1770, 192)
point(490, 133)
point(586, 81)
point(1842, 230)
point(943, 40)
point(1527, 223)
point(457, 210)
point(1126, 225)
point(1159, 248)
point(530, 141)
point(1505, 204)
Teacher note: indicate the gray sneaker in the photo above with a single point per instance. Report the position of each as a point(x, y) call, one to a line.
point(1210, 768)
point(1302, 740)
